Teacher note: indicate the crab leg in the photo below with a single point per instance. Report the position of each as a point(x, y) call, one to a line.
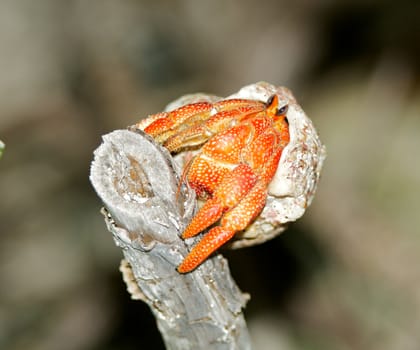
point(233, 221)
point(214, 239)
point(231, 190)
point(200, 133)
point(164, 125)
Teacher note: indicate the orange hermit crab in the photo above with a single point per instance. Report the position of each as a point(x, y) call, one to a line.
point(241, 144)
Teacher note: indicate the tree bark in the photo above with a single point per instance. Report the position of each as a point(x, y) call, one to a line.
point(146, 212)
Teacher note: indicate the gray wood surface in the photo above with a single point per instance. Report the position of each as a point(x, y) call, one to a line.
point(138, 183)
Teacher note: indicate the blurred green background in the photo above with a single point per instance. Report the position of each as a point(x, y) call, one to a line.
point(346, 276)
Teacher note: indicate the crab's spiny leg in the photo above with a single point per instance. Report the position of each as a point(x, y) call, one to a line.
point(176, 117)
point(258, 153)
point(239, 217)
point(234, 220)
point(227, 146)
point(214, 239)
point(235, 103)
point(144, 123)
point(208, 214)
point(231, 190)
point(170, 123)
point(267, 172)
point(198, 133)
point(204, 175)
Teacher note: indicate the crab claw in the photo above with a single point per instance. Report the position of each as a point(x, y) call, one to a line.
point(234, 220)
point(214, 239)
point(232, 189)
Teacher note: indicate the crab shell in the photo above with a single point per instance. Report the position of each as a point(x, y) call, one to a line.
point(293, 187)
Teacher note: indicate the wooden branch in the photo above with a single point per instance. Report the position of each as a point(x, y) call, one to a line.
point(138, 183)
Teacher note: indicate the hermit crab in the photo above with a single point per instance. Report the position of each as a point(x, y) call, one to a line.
point(254, 158)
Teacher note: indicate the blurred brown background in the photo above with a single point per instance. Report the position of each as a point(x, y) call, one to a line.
point(346, 276)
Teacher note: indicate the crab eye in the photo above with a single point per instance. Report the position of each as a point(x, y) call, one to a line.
point(270, 100)
point(282, 110)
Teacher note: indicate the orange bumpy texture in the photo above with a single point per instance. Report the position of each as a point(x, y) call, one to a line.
point(241, 144)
